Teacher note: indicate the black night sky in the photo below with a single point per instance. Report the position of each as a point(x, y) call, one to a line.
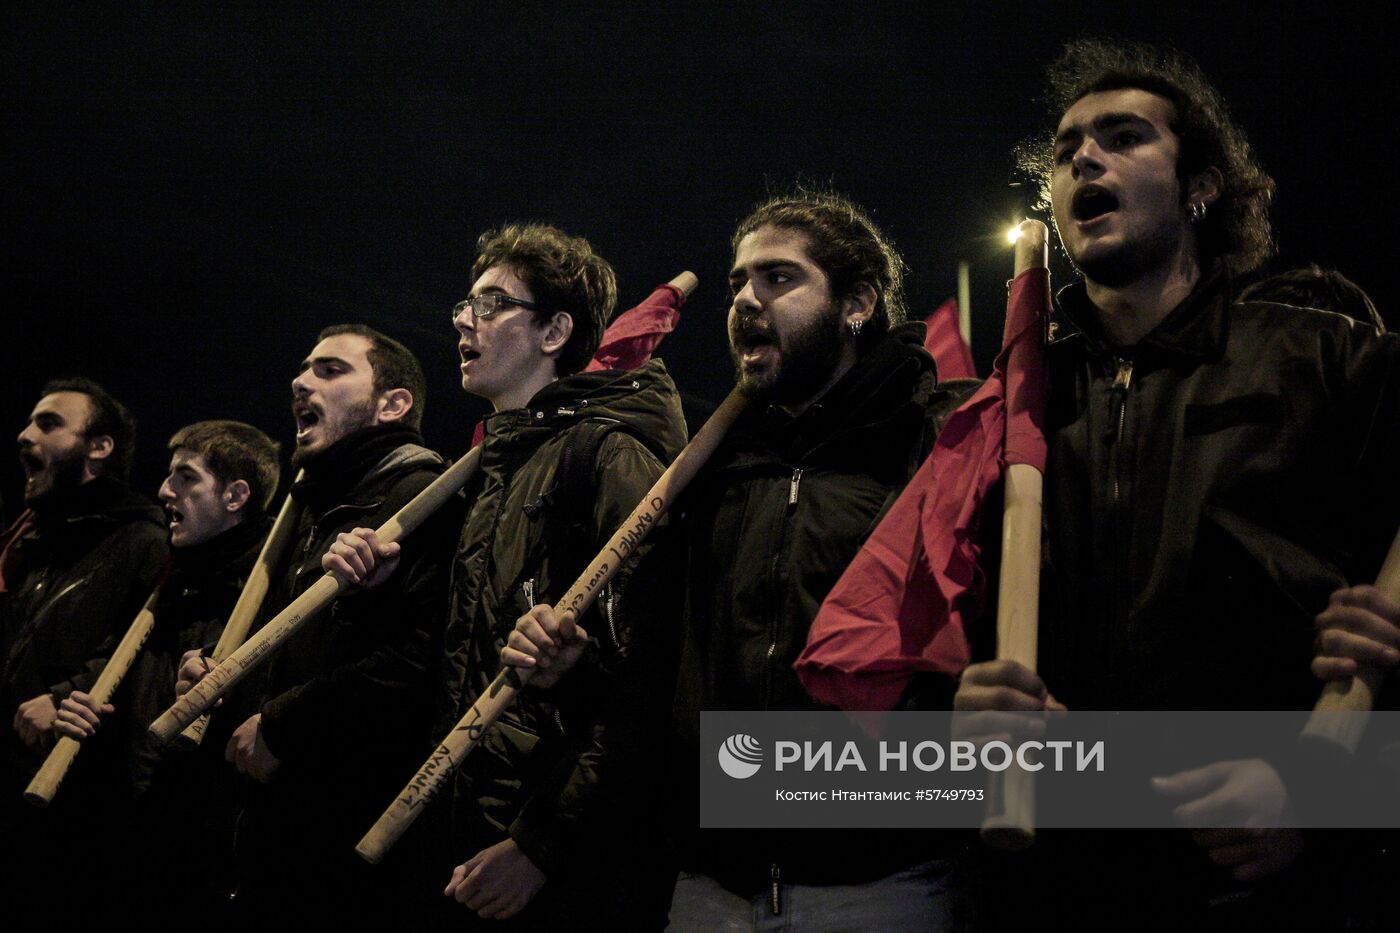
point(194, 190)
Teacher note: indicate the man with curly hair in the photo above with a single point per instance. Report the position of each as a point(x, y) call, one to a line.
point(1214, 476)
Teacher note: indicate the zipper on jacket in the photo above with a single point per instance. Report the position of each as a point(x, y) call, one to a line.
point(608, 614)
point(1122, 382)
point(792, 488)
point(528, 587)
point(776, 898)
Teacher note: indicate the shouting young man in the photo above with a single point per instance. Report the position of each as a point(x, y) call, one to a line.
point(551, 819)
point(1217, 468)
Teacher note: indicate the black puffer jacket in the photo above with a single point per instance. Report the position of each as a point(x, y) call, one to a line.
point(779, 512)
point(88, 566)
point(563, 770)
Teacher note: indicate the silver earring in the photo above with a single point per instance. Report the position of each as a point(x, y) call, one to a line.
point(855, 326)
point(1197, 211)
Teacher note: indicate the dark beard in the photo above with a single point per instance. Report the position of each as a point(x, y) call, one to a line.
point(65, 475)
point(357, 418)
point(809, 358)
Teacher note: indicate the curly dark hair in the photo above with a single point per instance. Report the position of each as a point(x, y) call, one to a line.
point(564, 274)
point(1236, 230)
point(845, 243)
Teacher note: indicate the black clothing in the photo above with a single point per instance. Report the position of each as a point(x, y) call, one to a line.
point(75, 578)
point(779, 512)
point(345, 702)
point(1206, 490)
point(564, 772)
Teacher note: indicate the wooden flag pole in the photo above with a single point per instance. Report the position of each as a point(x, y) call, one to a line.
point(434, 773)
point(1010, 820)
point(250, 601)
point(1341, 713)
point(316, 598)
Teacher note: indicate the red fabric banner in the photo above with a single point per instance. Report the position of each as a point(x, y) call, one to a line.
point(902, 605)
point(634, 335)
point(944, 341)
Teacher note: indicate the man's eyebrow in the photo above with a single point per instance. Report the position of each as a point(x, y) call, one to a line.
point(315, 360)
point(493, 290)
point(1102, 122)
point(766, 265)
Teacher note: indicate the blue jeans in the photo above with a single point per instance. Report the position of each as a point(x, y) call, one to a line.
point(924, 897)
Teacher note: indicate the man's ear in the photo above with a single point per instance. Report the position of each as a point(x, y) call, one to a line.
point(556, 333)
point(860, 304)
point(100, 447)
point(236, 495)
point(394, 405)
point(1205, 188)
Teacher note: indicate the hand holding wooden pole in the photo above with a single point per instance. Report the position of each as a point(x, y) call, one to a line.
point(316, 598)
point(45, 784)
point(1010, 821)
point(250, 601)
point(436, 771)
point(1341, 712)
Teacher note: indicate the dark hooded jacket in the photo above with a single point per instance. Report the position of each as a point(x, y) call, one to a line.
point(75, 580)
point(564, 772)
point(1206, 491)
point(346, 701)
point(778, 514)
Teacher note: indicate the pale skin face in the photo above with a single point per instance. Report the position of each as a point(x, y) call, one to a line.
point(199, 507)
point(1120, 208)
point(788, 336)
point(508, 357)
point(333, 395)
point(52, 445)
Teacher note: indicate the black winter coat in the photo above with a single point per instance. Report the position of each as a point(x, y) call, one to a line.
point(1206, 490)
point(775, 518)
point(565, 771)
point(88, 567)
point(346, 701)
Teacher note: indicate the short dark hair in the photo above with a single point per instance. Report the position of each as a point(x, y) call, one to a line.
point(1314, 287)
point(109, 417)
point(232, 451)
point(845, 243)
point(394, 367)
point(563, 273)
point(1236, 229)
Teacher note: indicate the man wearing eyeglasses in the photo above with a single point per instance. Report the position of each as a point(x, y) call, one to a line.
point(551, 817)
point(327, 729)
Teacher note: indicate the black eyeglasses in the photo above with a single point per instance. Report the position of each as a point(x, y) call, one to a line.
point(485, 307)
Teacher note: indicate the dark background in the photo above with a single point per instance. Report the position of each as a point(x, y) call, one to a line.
point(193, 193)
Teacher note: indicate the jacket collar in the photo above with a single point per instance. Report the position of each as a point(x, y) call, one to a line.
point(1197, 328)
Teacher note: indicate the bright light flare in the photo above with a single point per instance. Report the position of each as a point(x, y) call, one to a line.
point(1013, 234)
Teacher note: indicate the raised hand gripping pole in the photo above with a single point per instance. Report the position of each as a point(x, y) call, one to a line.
point(1010, 820)
point(316, 598)
point(489, 706)
point(1340, 714)
point(46, 782)
point(250, 601)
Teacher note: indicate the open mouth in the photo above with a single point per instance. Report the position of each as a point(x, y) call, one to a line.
point(468, 354)
point(31, 463)
point(754, 345)
point(306, 417)
point(1092, 202)
point(174, 516)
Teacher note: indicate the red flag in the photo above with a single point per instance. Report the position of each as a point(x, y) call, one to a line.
point(633, 335)
point(944, 341)
point(901, 605)
point(631, 338)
